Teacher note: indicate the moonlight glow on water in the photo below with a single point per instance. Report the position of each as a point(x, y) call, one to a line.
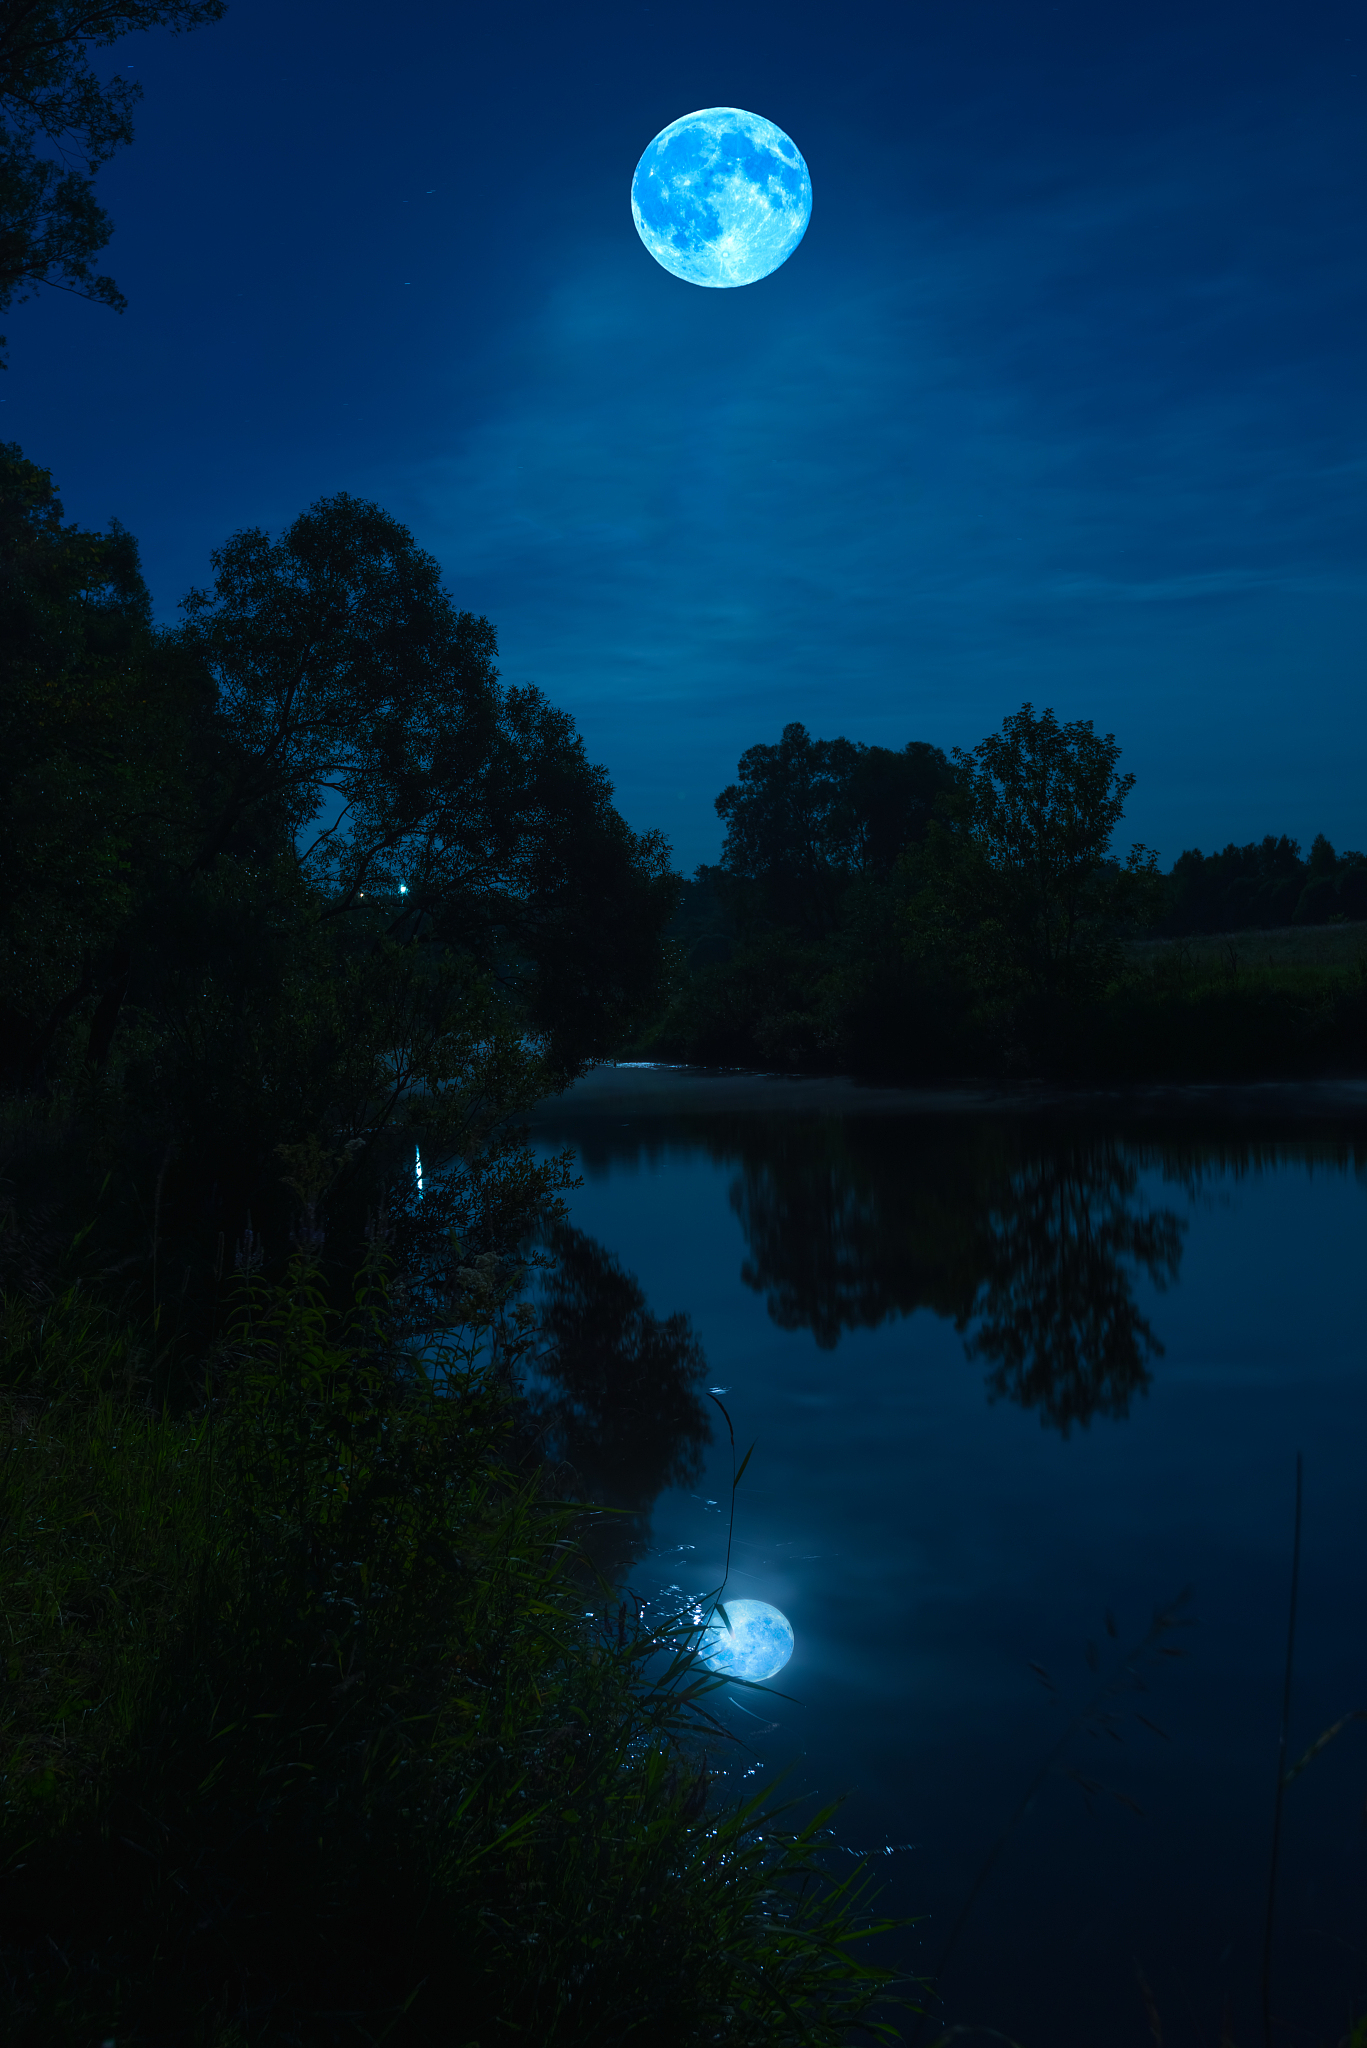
point(757, 1645)
point(721, 197)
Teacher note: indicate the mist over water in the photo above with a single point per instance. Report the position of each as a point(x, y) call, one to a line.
point(1019, 1376)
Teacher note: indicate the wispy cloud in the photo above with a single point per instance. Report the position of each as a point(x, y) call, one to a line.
point(1079, 447)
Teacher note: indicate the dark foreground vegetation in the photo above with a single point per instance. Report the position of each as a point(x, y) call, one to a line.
point(921, 916)
point(308, 1737)
point(317, 1725)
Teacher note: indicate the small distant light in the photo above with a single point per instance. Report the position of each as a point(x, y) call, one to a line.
point(403, 888)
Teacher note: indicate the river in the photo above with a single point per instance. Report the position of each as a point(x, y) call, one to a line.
point(1021, 1371)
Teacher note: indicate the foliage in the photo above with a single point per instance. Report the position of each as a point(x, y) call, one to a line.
point(91, 768)
point(1018, 885)
point(51, 227)
point(1263, 885)
point(806, 817)
point(891, 913)
point(301, 869)
point(350, 689)
point(986, 927)
point(308, 1739)
point(770, 1005)
point(1178, 1021)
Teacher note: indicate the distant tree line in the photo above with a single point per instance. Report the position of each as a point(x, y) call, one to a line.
point(921, 913)
point(1263, 885)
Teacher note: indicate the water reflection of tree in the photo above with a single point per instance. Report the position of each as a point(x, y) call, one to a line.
point(616, 1395)
point(1033, 1243)
point(1056, 1315)
point(844, 1226)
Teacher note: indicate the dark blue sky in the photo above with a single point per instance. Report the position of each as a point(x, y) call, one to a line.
point(1062, 396)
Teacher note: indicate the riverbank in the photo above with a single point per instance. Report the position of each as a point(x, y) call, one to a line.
point(664, 1089)
point(1174, 1012)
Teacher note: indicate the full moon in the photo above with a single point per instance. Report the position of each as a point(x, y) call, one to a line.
point(757, 1645)
point(722, 197)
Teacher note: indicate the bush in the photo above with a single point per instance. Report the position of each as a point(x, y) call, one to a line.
point(771, 1004)
point(308, 1737)
point(1244, 1026)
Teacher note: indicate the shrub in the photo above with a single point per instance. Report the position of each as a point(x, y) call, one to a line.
point(308, 1737)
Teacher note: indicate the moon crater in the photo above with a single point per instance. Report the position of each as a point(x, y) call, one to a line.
point(721, 197)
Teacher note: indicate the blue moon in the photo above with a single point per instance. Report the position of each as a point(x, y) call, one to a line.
point(721, 197)
point(757, 1644)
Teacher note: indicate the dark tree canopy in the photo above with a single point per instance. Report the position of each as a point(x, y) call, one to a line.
point(364, 724)
point(91, 769)
point(1019, 893)
point(806, 817)
point(301, 873)
point(1262, 885)
point(897, 914)
point(1041, 801)
point(58, 124)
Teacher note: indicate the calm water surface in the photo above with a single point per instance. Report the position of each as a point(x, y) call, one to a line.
point(1019, 1374)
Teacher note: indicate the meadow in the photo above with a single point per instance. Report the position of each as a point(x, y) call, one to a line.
point(1295, 949)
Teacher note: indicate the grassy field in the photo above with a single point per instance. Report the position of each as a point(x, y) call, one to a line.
point(1286, 946)
point(1231, 1006)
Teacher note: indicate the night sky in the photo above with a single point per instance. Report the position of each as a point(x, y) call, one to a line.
point(1061, 398)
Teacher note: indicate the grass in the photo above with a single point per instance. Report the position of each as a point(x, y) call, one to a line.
point(1293, 947)
point(1246, 1006)
point(1240, 1006)
point(308, 1737)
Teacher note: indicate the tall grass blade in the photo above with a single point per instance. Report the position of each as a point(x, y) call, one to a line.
point(1281, 1761)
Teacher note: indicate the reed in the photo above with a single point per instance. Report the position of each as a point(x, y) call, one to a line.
point(308, 1736)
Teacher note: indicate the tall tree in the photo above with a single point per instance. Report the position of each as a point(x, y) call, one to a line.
point(1023, 883)
point(91, 766)
point(299, 873)
point(58, 124)
point(807, 816)
point(367, 736)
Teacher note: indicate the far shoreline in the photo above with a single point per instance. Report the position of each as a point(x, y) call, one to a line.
point(669, 1089)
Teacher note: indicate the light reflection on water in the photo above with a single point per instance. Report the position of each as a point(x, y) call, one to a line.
point(1016, 1380)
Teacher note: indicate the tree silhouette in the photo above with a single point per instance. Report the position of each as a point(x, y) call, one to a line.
point(51, 226)
point(805, 817)
point(616, 1398)
point(1056, 1315)
point(1032, 1245)
point(847, 1223)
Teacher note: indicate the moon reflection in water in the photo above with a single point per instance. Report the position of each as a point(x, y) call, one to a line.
point(757, 1645)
